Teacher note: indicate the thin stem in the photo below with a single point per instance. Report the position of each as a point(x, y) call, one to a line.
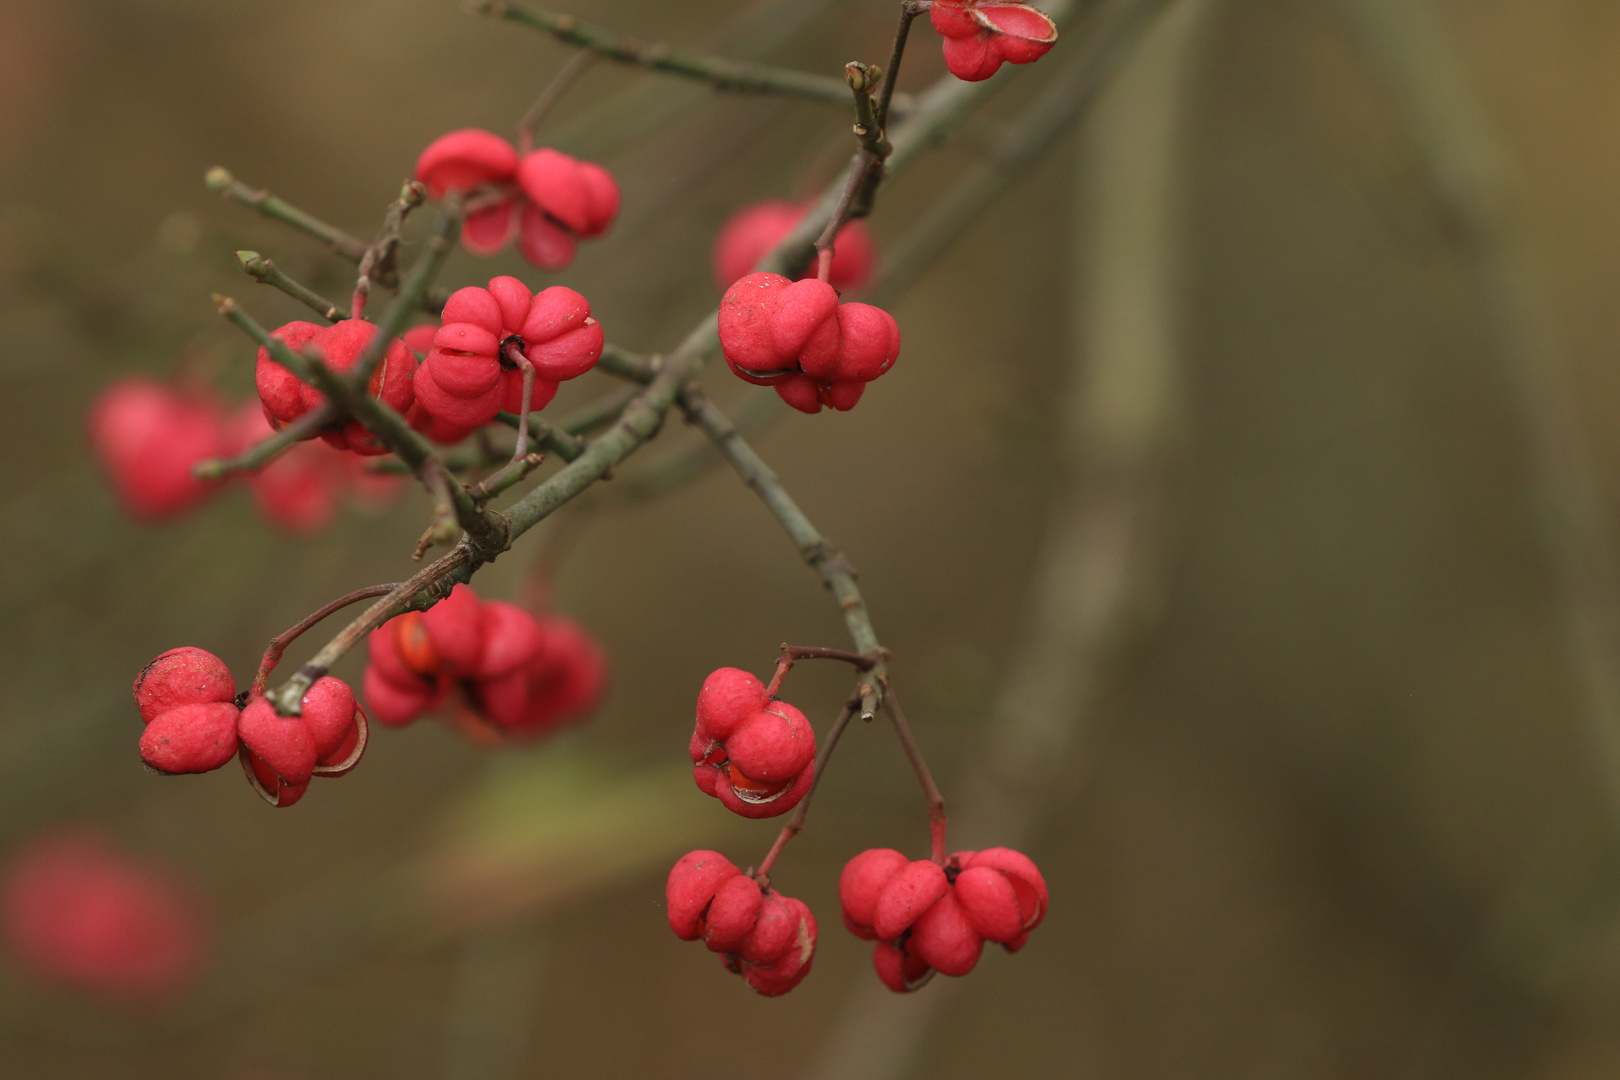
point(624, 364)
point(487, 530)
point(278, 644)
point(909, 10)
point(443, 238)
point(424, 588)
point(268, 448)
point(835, 570)
point(559, 442)
point(443, 529)
point(266, 272)
point(515, 355)
point(718, 71)
point(379, 259)
point(221, 182)
point(550, 96)
point(936, 801)
point(795, 824)
point(513, 473)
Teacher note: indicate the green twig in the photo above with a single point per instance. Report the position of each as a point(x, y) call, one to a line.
point(566, 446)
point(221, 182)
point(718, 71)
point(268, 448)
point(266, 272)
point(443, 238)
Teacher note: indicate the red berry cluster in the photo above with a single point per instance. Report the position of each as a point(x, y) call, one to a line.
point(767, 938)
point(187, 699)
point(981, 35)
point(926, 917)
point(796, 336)
point(519, 676)
point(547, 199)
point(752, 752)
point(147, 436)
point(471, 373)
point(754, 230)
point(756, 755)
point(88, 918)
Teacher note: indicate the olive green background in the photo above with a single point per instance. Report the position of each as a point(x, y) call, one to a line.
point(1334, 813)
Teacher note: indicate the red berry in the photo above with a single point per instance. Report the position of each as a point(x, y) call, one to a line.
point(465, 160)
point(756, 757)
point(981, 35)
point(183, 676)
point(754, 230)
point(691, 885)
point(732, 914)
point(796, 336)
point(282, 744)
point(455, 625)
point(281, 393)
point(191, 738)
point(329, 715)
point(79, 914)
point(579, 195)
point(147, 435)
point(927, 917)
point(297, 491)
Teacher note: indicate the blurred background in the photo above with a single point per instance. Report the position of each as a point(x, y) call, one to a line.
point(1235, 516)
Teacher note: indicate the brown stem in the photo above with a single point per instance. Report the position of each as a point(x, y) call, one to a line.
point(279, 643)
point(936, 801)
point(791, 654)
point(511, 474)
point(795, 824)
point(908, 11)
point(549, 96)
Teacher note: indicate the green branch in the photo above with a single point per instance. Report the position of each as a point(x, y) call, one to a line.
point(266, 272)
point(718, 71)
point(221, 182)
point(268, 448)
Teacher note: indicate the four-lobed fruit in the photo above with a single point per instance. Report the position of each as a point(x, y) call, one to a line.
point(467, 376)
point(754, 230)
point(79, 914)
point(546, 199)
point(796, 337)
point(767, 938)
point(981, 35)
point(281, 754)
point(753, 753)
point(186, 700)
point(928, 917)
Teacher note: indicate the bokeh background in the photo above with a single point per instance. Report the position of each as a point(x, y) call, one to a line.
point(1219, 517)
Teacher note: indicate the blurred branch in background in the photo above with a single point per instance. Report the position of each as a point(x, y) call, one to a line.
point(1465, 165)
point(1118, 416)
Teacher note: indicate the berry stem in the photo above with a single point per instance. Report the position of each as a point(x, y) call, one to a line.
point(553, 437)
point(511, 474)
point(795, 824)
point(279, 643)
point(221, 182)
point(268, 448)
point(909, 9)
point(266, 272)
point(515, 355)
point(936, 801)
point(720, 72)
point(791, 654)
point(550, 96)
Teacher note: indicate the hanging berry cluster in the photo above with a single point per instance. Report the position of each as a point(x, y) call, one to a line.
point(347, 401)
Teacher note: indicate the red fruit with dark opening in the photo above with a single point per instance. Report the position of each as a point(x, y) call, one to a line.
point(284, 745)
point(767, 938)
point(79, 914)
point(147, 435)
point(297, 491)
point(981, 35)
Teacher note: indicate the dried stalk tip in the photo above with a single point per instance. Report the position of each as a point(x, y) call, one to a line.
point(218, 179)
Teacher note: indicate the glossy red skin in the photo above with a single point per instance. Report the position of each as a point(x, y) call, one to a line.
point(146, 436)
point(753, 231)
point(79, 914)
point(464, 161)
point(329, 714)
point(981, 35)
point(183, 676)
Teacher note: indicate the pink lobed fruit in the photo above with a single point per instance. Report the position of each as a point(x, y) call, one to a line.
point(754, 230)
point(796, 336)
point(146, 436)
point(756, 756)
point(80, 914)
point(981, 35)
point(183, 676)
